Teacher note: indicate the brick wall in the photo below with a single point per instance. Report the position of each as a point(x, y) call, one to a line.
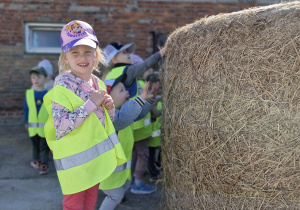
point(113, 20)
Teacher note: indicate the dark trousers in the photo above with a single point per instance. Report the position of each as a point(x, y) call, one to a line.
point(153, 171)
point(40, 149)
point(140, 154)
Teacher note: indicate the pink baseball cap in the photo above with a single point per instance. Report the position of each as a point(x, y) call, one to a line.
point(77, 33)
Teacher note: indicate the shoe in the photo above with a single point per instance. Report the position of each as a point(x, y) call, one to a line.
point(44, 169)
point(142, 189)
point(35, 164)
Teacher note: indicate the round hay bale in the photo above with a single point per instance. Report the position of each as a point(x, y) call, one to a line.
point(231, 125)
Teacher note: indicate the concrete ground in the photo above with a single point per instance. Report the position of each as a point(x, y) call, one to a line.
point(21, 187)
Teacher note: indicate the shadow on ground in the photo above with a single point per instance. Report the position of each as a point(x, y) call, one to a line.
point(21, 187)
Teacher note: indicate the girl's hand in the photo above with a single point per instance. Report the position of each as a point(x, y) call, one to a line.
point(108, 103)
point(98, 97)
point(145, 94)
point(26, 127)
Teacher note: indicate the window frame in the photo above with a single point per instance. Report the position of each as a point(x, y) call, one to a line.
point(29, 28)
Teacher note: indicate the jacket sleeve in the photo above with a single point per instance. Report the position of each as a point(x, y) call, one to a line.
point(65, 121)
point(145, 109)
point(128, 113)
point(138, 69)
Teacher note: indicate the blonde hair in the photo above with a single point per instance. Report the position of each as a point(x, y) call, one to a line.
point(63, 68)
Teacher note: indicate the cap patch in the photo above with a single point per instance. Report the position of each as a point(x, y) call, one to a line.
point(75, 30)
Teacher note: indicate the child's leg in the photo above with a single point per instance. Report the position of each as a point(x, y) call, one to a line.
point(142, 158)
point(44, 151)
point(74, 201)
point(151, 162)
point(35, 147)
point(139, 186)
point(114, 197)
point(91, 196)
point(86, 199)
point(134, 159)
point(158, 162)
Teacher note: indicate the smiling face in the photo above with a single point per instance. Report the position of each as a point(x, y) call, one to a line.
point(81, 60)
point(119, 95)
point(122, 57)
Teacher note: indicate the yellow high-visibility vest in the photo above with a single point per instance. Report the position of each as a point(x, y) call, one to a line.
point(102, 85)
point(143, 127)
point(36, 122)
point(123, 171)
point(87, 155)
point(115, 73)
point(155, 138)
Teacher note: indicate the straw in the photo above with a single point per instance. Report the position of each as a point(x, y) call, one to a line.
point(231, 123)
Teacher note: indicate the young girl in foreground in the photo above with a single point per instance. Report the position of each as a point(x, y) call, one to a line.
point(86, 149)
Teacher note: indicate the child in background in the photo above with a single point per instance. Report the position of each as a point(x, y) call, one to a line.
point(49, 69)
point(127, 112)
point(154, 141)
point(117, 56)
point(35, 116)
point(49, 82)
point(140, 153)
point(79, 131)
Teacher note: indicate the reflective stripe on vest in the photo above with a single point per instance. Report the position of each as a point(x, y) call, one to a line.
point(123, 167)
point(36, 125)
point(156, 133)
point(147, 121)
point(87, 155)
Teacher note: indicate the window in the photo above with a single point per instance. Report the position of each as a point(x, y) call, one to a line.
point(42, 38)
